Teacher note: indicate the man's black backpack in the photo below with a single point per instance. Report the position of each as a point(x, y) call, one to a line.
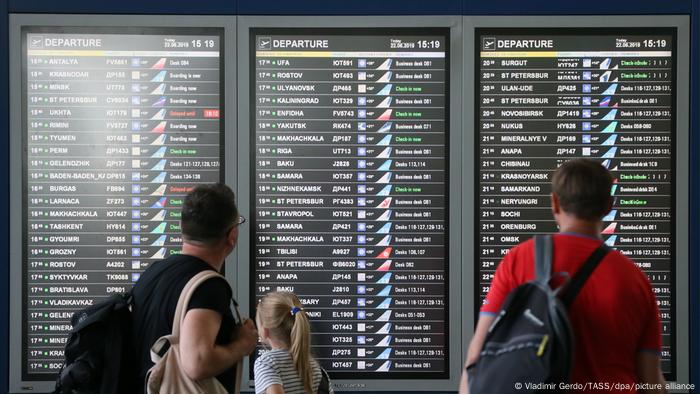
point(530, 343)
point(324, 387)
point(99, 355)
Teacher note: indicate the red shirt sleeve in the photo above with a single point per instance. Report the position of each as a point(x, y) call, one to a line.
point(502, 284)
point(651, 333)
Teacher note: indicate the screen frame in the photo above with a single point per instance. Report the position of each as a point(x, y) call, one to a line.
point(681, 141)
point(480, 33)
point(245, 25)
point(377, 32)
point(20, 25)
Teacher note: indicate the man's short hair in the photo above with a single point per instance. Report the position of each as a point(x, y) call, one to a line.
point(583, 187)
point(208, 213)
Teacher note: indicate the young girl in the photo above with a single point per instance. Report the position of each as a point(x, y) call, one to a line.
point(288, 367)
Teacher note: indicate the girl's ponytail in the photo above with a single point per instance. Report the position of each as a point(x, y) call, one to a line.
point(282, 314)
point(300, 347)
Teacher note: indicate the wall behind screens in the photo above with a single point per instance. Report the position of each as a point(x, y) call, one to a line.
point(239, 151)
point(118, 123)
point(546, 95)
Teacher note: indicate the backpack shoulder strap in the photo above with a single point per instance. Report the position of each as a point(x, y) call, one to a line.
point(576, 284)
point(186, 295)
point(543, 258)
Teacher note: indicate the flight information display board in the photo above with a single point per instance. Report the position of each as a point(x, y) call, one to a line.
point(349, 130)
point(118, 125)
point(549, 95)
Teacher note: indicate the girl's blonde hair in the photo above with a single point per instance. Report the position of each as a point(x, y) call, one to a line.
point(282, 314)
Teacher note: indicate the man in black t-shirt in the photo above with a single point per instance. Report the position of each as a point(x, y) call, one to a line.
point(210, 341)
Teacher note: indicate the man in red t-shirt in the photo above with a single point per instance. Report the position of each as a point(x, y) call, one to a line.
point(614, 317)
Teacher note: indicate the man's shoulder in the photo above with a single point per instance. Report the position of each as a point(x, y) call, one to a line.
point(523, 250)
point(178, 266)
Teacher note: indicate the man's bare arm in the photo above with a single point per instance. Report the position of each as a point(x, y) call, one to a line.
point(201, 356)
point(649, 371)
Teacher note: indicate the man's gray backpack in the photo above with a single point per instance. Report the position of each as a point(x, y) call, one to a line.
point(530, 342)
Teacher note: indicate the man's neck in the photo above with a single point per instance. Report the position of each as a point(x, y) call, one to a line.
point(577, 226)
point(208, 255)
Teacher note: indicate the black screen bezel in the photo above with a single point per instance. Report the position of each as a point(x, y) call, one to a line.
point(581, 31)
point(331, 31)
point(115, 30)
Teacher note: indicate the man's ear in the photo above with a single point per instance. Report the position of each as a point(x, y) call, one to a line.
point(556, 208)
point(232, 237)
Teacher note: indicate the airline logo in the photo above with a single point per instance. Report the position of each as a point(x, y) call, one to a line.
point(160, 115)
point(386, 341)
point(385, 329)
point(159, 191)
point(386, 77)
point(160, 241)
point(386, 304)
point(611, 115)
point(385, 254)
point(159, 153)
point(160, 254)
point(610, 90)
point(386, 203)
point(160, 89)
point(610, 229)
point(386, 228)
point(386, 90)
point(386, 266)
point(159, 64)
point(384, 241)
point(160, 166)
point(160, 140)
point(160, 229)
point(386, 103)
point(159, 103)
point(385, 316)
point(159, 217)
point(161, 203)
point(610, 141)
point(610, 128)
point(386, 115)
point(386, 65)
point(385, 191)
point(385, 154)
point(160, 77)
point(610, 216)
point(385, 141)
point(385, 127)
point(385, 279)
point(386, 178)
point(386, 215)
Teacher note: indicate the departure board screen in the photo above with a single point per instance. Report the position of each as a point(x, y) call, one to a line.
point(118, 125)
point(350, 131)
point(549, 95)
